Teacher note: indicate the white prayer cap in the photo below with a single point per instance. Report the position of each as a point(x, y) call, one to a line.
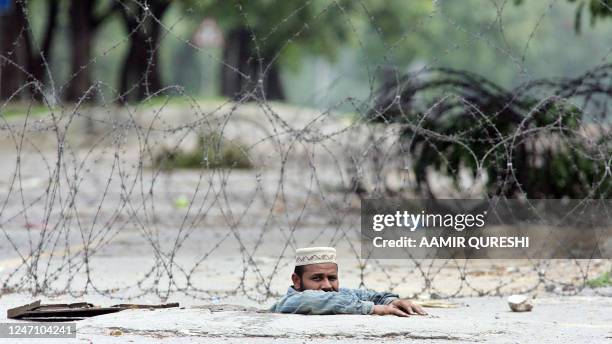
point(315, 255)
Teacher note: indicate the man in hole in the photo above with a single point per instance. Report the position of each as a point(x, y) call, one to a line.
point(316, 290)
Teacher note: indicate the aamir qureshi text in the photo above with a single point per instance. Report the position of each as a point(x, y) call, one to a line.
point(475, 242)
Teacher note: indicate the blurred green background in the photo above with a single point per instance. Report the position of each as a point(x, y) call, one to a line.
point(318, 52)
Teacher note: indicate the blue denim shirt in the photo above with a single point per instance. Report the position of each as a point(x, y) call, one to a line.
point(344, 301)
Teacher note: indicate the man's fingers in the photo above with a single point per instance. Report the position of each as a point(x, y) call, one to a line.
point(420, 310)
point(408, 307)
point(399, 312)
point(401, 308)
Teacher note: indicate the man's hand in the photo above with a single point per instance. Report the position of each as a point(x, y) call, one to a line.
point(389, 310)
point(400, 308)
point(409, 307)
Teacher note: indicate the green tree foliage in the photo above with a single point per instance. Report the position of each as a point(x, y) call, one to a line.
point(278, 26)
point(258, 34)
point(391, 34)
point(523, 146)
point(598, 9)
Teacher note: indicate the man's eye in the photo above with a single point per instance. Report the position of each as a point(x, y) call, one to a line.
point(316, 278)
point(332, 278)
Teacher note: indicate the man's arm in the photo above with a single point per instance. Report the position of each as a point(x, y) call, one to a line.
point(376, 297)
point(392, 301)
point(320, 302)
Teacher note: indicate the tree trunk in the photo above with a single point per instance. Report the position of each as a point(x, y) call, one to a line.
point(140, 75)
point(133, 69)
point(21, 61)
point(273, 85)
point(41, 60)
point(235, 69)
point(82, 29)
point(13, 53)
point(241, 70)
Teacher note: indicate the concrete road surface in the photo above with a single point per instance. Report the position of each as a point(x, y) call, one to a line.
point(577, 319)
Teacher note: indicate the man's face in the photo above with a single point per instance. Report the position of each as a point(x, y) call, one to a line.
point(322, 276)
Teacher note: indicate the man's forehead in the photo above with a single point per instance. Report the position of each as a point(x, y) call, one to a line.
point(323, 268)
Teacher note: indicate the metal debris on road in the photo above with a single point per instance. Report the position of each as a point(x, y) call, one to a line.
point(71, 311)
